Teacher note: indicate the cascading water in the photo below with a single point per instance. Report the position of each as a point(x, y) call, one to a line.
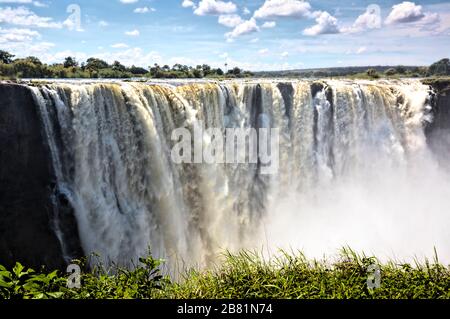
point(354, 168)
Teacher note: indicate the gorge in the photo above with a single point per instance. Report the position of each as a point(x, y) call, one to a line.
point(86, 167)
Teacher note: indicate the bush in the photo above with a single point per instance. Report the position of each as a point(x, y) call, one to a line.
point(372, 73)
point(21, 283)
point(390, 72)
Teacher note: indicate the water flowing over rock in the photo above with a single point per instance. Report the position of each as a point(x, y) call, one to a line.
point(86, 167)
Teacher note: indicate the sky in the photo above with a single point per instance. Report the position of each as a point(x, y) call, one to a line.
point(252, 34)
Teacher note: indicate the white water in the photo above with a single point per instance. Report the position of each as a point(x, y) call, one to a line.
point(353, 172)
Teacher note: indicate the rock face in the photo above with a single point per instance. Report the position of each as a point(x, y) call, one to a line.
point(438, 132)
point(26, 183)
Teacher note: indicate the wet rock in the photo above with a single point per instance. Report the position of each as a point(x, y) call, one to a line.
point(26, 233)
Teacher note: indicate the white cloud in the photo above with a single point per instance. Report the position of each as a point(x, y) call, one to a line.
point(133, 33)
point(283, 8)
point(35, 3)
point(370, 19)
point(269, 25)
point(25, 17)
point(409, 15)
point(128, 1)
point(188, 4)
point(144, 10)
point(325, 24)
point(285, 54)
point(246, 11)
point(230, 20)
point(405, 12)
point(132, 56)
point(17, 35)
point(223, 55)
point(246, 27)
point(103, 23)
point(215, 7)
point(119, 46)
point(72, 24)
point(263, 51)
point(361, 50)
point(255, 40)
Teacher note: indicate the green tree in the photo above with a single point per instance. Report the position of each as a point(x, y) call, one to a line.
point(400, 69)
point(206, 69)
point(94, 64)
point(117, 66)
point(372, 73)
point(236, 71)
point(70, 62)
point(442, 67)
point(137, 70)
point(198, 72)
point(33, 60)
point(30, 67)
point(390, 72)
point(6, 57)
point(219, 72)
point(156, 71)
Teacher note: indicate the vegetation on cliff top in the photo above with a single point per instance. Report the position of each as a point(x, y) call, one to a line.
point(32, 67)
point(245, 275)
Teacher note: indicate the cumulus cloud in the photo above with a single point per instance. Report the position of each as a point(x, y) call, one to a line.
point(131, 56)
point(215, 7)
point(405, 12)
point(230, 20)
point(246, 27)
point(269, 25)
point(325, 24)
point(188, 4)
point(24, 17)
point(17, 35)
point(283, 8)
point(408, 14)
point(35, 3)
point(370, 19)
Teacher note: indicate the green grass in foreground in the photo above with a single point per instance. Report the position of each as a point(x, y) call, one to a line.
point(245, 275)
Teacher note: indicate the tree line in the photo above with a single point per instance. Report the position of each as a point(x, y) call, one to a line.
point(32, 67)
point(439, 68)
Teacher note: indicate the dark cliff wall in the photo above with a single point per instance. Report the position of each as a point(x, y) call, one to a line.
point(26, 183)
point(438, 132)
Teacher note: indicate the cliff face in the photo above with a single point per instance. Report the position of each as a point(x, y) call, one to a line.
point(438, 132)
point(26, 183)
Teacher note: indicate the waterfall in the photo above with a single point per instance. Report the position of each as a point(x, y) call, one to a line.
point(354, 168)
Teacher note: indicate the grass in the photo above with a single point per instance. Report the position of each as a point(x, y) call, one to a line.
point(244, 275)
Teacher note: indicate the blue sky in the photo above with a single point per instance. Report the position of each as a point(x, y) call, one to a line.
point(253, 34)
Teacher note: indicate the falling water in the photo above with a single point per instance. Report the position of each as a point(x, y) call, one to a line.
point(355, 168)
